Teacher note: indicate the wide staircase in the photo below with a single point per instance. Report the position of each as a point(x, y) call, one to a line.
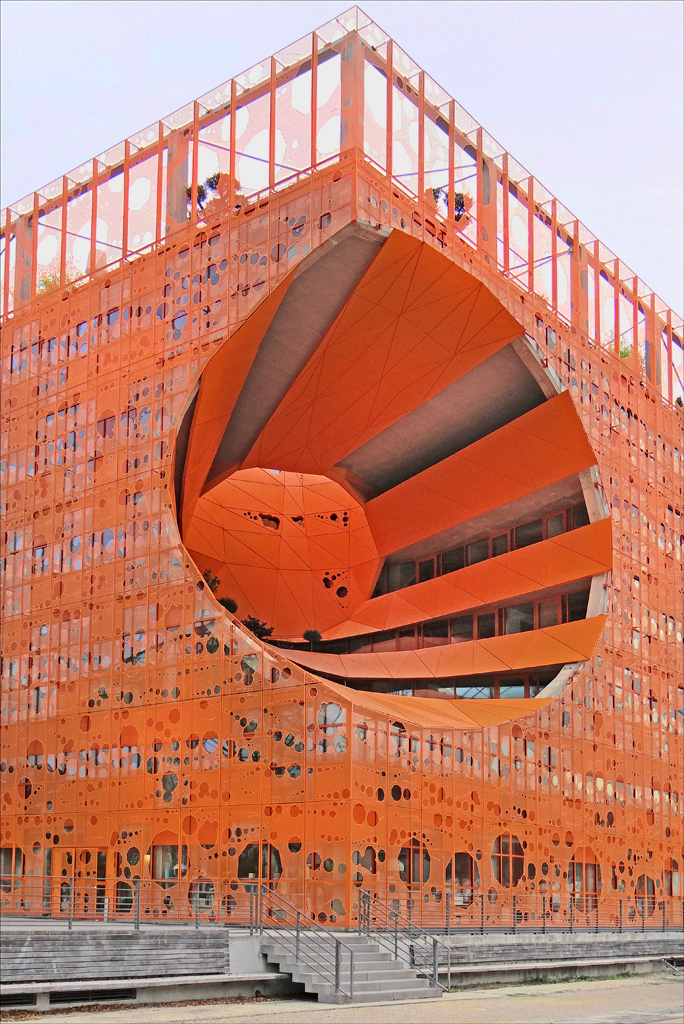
point(336, 967)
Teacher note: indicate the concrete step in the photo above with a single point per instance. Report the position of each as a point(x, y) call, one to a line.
point(377, 976)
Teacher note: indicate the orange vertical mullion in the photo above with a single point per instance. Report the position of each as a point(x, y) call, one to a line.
point(670, 358)
point(597, 294)
point(126, 188)
point(5, 285)
point(530, 235)
point(554, 259)
point(390, 108)
point(271, 125)
point(421, 145)
point(195, 162)
point(616, 289)
point(451, 200)
point(479, 183)
point(313, 158)
point(635, 329)
point(506, 216)
point(233, 101)
point(160, 181)
point(93, 218)
point(34, 248)
point(63, 247)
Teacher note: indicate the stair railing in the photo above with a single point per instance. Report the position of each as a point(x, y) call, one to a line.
point(310, 943)
point(390, 929)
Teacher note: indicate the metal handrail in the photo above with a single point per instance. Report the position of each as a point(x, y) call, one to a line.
point(392, 924)
point(297, 939)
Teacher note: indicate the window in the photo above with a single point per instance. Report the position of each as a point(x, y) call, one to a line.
point(453, 560)
point(414, 864)
point(435, 633)
point(671, 877)
point(461, 629)
point(164, 861)
point(577, 516)
point(548, 613)
point(577, 605)
point(512, 689)
point(508, 861)
point(463, 877)
point(554, 525)
point(426, 570)
point(401, 575)
point(529, 533)
point(645, 896)
point(500, 545)
point(478, 551)
point(519, 618)
point(271, 864)
point(584, 880)
point(486, 626)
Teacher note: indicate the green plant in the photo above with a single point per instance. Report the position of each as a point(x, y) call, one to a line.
point(211, 185)
point(312, 636)
point(212, 581)
point(256, 626)
point(229, 604)
point(679, 402)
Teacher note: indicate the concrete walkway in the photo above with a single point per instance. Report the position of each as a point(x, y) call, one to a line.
point(656, 999)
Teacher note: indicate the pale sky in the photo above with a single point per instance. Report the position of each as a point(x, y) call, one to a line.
point(586, 95)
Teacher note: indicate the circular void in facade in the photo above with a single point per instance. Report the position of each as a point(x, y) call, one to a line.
point(390, 463)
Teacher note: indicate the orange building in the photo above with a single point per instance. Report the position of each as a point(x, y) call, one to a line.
point(317, 344)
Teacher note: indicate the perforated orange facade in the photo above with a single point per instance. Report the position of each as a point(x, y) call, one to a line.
point(316, 344)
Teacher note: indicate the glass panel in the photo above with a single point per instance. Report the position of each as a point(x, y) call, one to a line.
point(512, 690)
point(578, 516)
point(406, 640)
point(528, 533)
point(548, 613)
point(554, 525)
point(486, 626)
point(426, 570)
point(401, 575)
point(475, 692)
point(577, 605)
point(519, 618)
point(385, 641)
point(500, 545)
point(453, 560)
point(328, 97)
point(375, 115)
point(435, 633)
point(477, 551)
point(461, 629)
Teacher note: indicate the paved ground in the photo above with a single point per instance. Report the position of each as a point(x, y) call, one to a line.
point(656, 999)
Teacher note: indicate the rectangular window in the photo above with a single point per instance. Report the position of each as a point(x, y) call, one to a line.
point(577, 516)
point(548, 613)
point(165, 863)
point(577, 605)
point(554, 525)
point(486, 626)
point(461, 629)
point(435, 633)
point(453, 560)
point(477, 551)
point(512, 689)
point(385, 641)
point(406, 640)
point(400, 576)
point(475, 691)
point(426, 570)
point(519, 618)
point(500, 545)
point(529, 533)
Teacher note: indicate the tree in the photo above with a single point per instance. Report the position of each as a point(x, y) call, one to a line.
point(256, 626)
point(229, 604)
point(213, 582)
point(312, 636)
